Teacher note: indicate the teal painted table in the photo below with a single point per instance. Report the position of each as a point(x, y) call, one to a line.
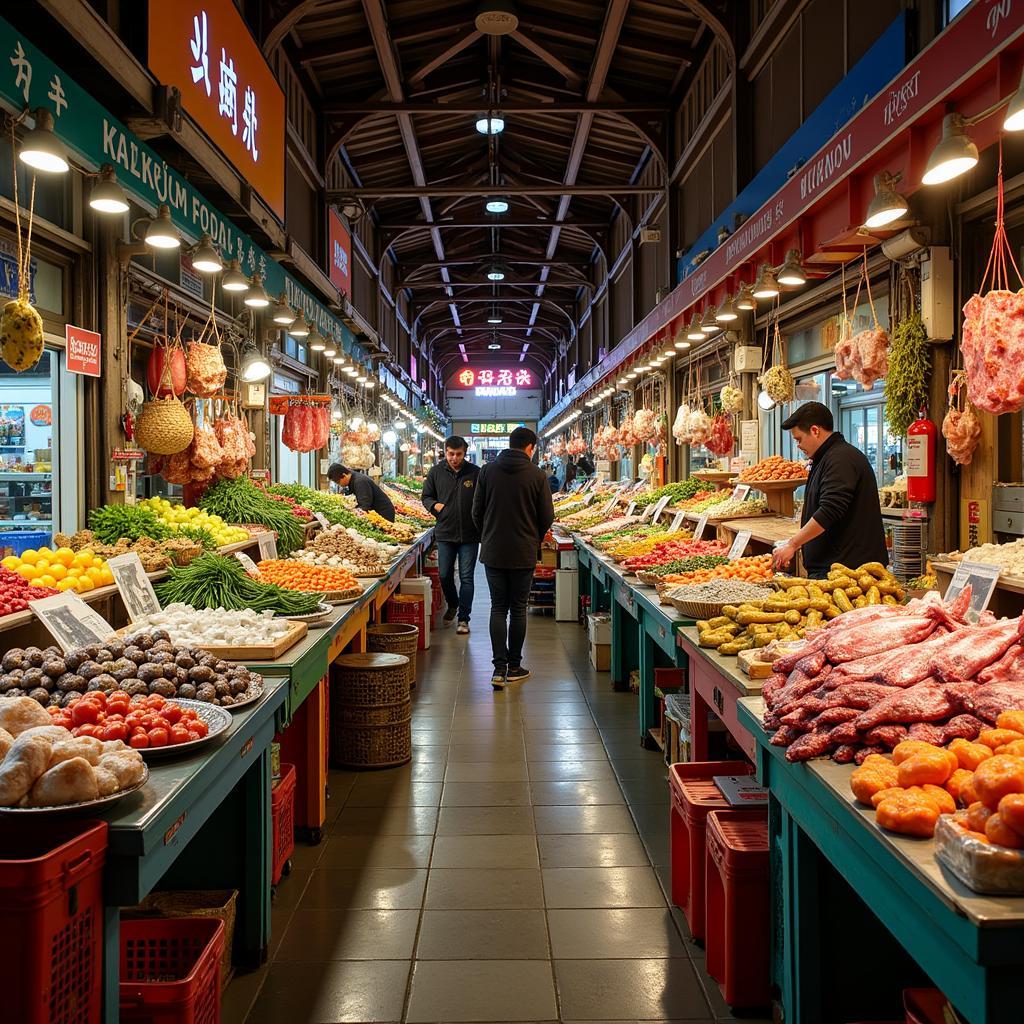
point(970, 945)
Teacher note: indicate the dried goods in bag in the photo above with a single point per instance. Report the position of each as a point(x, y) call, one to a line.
point(206, 370)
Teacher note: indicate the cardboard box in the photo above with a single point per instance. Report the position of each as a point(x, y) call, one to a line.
point(599, 628)
point(549, 558)
point(601, 656)
point(567, 595)
point(568, 559)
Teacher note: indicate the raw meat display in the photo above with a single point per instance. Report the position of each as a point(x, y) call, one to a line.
point(206, 369)
point(306, 427)
point(962, 432)
point(864, 357)
point(992, 343)
point(720, 439)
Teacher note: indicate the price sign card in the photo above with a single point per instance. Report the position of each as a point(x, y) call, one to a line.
point(630, 508)
point(70, 621)
point(698, 530)
point(322, 520)
point(981, 578)
point(611, 504)
point(660, 507)
point(740, 492)
point(650, 512)
point(739, 545)
point(247, 563)
point(677, 521)
point(268, 546)
point(134, 585)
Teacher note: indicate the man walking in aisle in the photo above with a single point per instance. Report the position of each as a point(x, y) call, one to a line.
point(513, 511)
point(448, 496)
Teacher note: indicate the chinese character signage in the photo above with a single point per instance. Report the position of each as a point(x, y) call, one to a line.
point(83, 351)
point(204, 48)
point(491, 377)
point(499, 428)
point(340, 253)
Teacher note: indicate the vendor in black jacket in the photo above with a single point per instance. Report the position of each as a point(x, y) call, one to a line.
point(842, 517)
point(369, 495)
point(448, 495)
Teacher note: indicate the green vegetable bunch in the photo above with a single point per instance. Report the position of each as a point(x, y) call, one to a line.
point(112, 522)
point(332, 508)
point(677, 492)
point(215, 581)
point(241, 501)
point(906, 383)
point(199, 535)
point(688, 564)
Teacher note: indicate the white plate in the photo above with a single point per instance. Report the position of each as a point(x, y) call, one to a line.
point(84, 805)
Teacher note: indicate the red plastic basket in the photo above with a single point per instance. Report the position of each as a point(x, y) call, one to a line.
point(51, 910)
point(282, 815)
point(412, 612)
point(170, 970)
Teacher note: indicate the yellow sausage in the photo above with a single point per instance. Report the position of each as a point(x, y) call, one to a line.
point(747, 617)
point(842, 601)
point(873, 595)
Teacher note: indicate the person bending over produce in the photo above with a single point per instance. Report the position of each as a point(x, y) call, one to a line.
point(841, 519)
point(368, 494)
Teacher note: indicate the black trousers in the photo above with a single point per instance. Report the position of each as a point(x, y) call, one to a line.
point(510, 592)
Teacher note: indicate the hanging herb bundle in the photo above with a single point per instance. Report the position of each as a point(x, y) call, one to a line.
point(906, 385)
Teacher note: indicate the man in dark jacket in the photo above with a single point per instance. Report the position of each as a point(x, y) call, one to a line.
point(841, 518)
point(368, 494)
point(513, 511)
point(448, 496)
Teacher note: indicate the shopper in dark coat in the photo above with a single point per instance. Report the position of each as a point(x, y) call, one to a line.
point(448, 496)
point(841, 518)
point(513, 511)
point(368, 494)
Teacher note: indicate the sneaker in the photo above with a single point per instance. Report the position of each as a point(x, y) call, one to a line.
point(449, 616)
point(498, 679)
point(462, 628)
point(517, 675)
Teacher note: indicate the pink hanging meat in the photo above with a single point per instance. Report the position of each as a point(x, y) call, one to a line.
point(873, 356)
point(992, 343)
point(962, 432)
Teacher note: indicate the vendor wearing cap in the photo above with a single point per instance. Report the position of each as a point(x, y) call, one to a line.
point(368, 494)
point(842, 518)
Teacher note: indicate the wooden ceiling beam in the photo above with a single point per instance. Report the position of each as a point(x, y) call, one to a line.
point(442, 56)
point(476, 105)
point(528, 42)
point(339, 195)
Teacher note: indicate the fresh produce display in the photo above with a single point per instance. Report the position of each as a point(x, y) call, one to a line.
point(111, 523)
point(720, 591)
point(681, 566)
point(676, 492)
point(16, 591)
point(673, 550)
point(699, 505)
point(155, 555)
point(60, 569)
point(755, 569)
point(214, 581)
point(298, 510)
point(926, 582)
point(241, 501)
point(184, 520)
point(294, 575)
point(775, 467)
point(406, 508)
point(44, 765)
point(347, 548)
point(215, 627)
point(397, 531)
point(735, 508)
point(629, 545)
point(141, 722)
point(609, 525)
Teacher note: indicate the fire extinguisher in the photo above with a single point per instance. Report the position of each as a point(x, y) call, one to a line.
point(921, 436)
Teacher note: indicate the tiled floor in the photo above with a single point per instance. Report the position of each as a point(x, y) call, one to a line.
point(499, 877)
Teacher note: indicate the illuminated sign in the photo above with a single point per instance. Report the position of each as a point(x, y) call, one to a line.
point(520, 377)
point(340, 254)
point(501, 428)
point(205, 49)
point(495, 392)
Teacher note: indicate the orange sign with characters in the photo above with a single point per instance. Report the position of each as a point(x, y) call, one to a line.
point(205, 49)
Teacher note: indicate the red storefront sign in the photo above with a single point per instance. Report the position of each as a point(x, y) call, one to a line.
point(340, 253)
point(83, 350)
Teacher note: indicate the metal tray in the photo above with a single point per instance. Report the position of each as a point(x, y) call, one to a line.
point(85, 805)
point(217, 718)
point(251, 696)
point(314, 619)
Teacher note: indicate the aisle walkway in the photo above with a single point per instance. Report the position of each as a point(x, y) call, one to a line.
point(510, 873)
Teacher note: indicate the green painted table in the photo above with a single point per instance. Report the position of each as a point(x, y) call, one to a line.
point(970, 945)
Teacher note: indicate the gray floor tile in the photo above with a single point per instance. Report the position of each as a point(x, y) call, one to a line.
point(558, 720)
point(352, 935)
point(487, 771)
point(604, 791)
point(558, 736)
point(396, 794)
point(376, 852)
point(629, 990)
point(483, 935)
point(484, 889)
point(592, 851)
point(647, 791)
point(485, 821)
point(365, 889)
point(397, 821)
point(485, 852)
point(602, 887)
point(485, 794)
point(586, 818)
point(555, 771)
point(566, 752)
point(618, 934)
point(474, 990)
point(482, 752)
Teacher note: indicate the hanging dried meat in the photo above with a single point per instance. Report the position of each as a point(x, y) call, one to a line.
point(307, 427)
point(206, 370)
point(720, 438)
point(864, 356)
point(960, 427)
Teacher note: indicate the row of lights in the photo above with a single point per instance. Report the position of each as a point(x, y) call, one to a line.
point(563, 423)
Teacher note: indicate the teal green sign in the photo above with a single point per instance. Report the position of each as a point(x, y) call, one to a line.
point(29, 78)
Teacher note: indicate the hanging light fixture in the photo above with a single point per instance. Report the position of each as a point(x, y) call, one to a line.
point(709, 322)
point(315, 341)
point(765, 401)
point(632, 375)
point(336, 414)
point(254, 366)
point(256, 297)
point(682, 343)
point(887, 204)
point(389, 437)
point(766, 286)
point(161, 233)
point(234, 280)
point(727, 311)
point(954, 154)
point(300, 329)
point(694, 332)
point(496, 205)
point(331, 349)
point(41, 149)
point(496, 273)
point(490, 124)
point(107, 196)
point(338, 360)
point(1014, 120)
point(745, 298)
point(494, 345)
point(283, 314)
point(791, 273)
point(205, 257)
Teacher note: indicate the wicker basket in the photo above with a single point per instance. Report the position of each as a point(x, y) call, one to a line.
point(184, 556)
point(164, 426)
point(648, 579)
point(370, 714)
point(396, 638)
point(698, 609)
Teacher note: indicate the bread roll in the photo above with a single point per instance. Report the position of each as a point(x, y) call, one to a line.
point(20, 713)
point(6, 741)
point(77, 746)
point(69, 782)
point(106, 780)
point(126, 765)
point(24, 763)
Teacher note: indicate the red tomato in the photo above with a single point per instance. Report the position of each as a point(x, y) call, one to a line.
point(115, 731)
point(134, 719)
point(83, 711)
point(159, 736)
point(179, 734)
point(149, 720)
point(155, 701)
point(171, 713)
point(199, 726)
point(139, 740)
point(89, 729)
point(119, 695)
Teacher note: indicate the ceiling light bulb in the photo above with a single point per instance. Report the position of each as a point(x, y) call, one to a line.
point(496, 206)
point(494, 319)
point(338, 360)
point(494, 346)
point(300, 329)
point(389, 437)
point(256, 297)
point(955, 153)
point(107, 196)
point(765, 401)
point(493, 124)
point(694, 332)
point(1014, 120)
point(205, 257)
point(41, 149)
point(161, 233)
point(727, 311)
point(495, 274)
point(767, 287)
point(254, 366)
point(745, 298)
point(682, 343)
point(331, 349)
point(316, 342)
point(791, 273)
point(887, 204)
point(234, 280)
point(283, 313)
point(709, 322)
point(632, 375)
point(355, 422)
point(668, 353)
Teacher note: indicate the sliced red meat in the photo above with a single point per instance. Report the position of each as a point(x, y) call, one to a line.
point(927, 701)
point(990, 700)
point(862, 755)
point(844, 754)
point(964, 727)
point(886, 735)
point(926, 732)
point(811, 744)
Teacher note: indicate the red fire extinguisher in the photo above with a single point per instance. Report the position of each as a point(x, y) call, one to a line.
point(921, 436)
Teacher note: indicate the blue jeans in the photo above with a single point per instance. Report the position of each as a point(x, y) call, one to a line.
point(510, 595)
point(462, 598)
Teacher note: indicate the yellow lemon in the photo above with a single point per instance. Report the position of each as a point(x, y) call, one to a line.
point(58, 571)
point(27, 572)
point(95, 574)
point(74, 583)
point(63, 555)
point(81, 559)
point(46, 581)
point(106, 577)
point(36, 583)
point(29, 556)
point(97, 562)
point(10, 562)
point(45, 552)
point(87, 553)
point(85, 584)
point(66, 584)
point(43, 565)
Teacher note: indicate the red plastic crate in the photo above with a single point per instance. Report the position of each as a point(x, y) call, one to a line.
point(170, 970)
point(738, 904)
point(693, 797)
point(924, 1006)
point(411, 612)
point(282, 817)
point(51, 909)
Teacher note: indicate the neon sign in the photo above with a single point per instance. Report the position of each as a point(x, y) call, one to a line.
point(500, 427)
point(520, 377)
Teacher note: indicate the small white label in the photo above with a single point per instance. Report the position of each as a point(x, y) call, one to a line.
point(70, 621)
point(748, 436)
point(982, 579)
point(611, 504)
point(677, 521)
point(660, 507)
point(134, 585)
point(247, 563)
point(325, 464)
point(268, 546)
point(648, 513)
point(698, 530)
point(322, 520)
point(739, 545)
point(630, 508)
point(917, 455)
point(740, 492)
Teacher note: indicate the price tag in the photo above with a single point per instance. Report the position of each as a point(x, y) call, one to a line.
point(650, 512)
point(981, 578)
point(630, 508)
point(677, 521)
point(268, 546)
point(698, 530)
point(70, 621)
point(247, 563)
point(749, 436)
point(661, 506)
point(739, 545)
point(134, 585)
point(611, 504)
point(322, 520)
point(740, 492)
point(589, 484)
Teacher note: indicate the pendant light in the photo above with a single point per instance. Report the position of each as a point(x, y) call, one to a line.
point(234, 280)
point(41, 149)
point(766, 287)
point(887, 204)
point(727, 311)
point(205, 257)
point(1014, 120)
point(496, 273)
point(283, 314)
point(694, 332)
point(254, 366)
point(331, 349)
point(745, 298)
point(765, 401)
point(300, 329)
point(955, 153)
point(161, 233)
point(315, 341)
point(107, 196)
point(256, 297)
point(709, 322)
point(791, 273)
point(496, 205)
point(490, 124)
